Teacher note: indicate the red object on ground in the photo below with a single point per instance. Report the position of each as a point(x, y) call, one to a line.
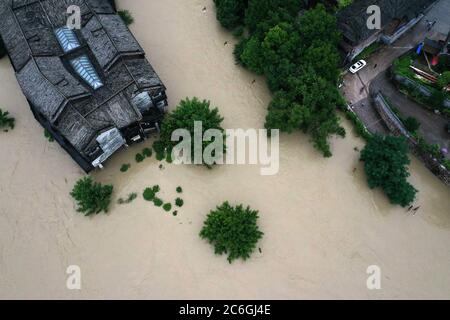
point(435, 60)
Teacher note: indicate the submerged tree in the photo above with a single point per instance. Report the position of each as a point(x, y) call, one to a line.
point(232, 230)
point(6, 121)
point(91, 197)
point(386, 165)
point(185, 116)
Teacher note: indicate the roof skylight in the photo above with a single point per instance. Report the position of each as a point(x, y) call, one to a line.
point(67, 39)
point(85, 70)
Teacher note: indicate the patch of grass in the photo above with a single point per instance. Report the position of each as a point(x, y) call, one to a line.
point(179, 202)
point(131, 197)
point(167, 207)
point(125, 167)
point(126, 17)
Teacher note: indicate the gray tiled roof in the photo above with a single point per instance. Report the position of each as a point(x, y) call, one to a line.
point(353, 19)
point(47, 76)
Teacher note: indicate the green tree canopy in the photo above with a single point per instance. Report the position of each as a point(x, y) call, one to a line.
point(232, 230)
point(184, 117)
point(386, 165)
point(91, 197)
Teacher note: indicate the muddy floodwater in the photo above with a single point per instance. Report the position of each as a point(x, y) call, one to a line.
point(323, 226)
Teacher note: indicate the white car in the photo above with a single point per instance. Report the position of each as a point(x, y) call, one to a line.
point(357, 66)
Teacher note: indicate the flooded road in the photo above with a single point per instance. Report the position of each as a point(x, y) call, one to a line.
point(323, 226)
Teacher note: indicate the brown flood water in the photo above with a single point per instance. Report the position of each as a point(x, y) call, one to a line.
point(323, 226)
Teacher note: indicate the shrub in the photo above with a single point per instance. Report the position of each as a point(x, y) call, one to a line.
point(412, 124)
point(231, 13)
point(6, 121)
point(150, 193)
point(175, 213)
point(147, 152)
point(386, 160)
point(179, 189)
point(232, 230)
point(179, 202)
point(183, 117)
point(167, 207)
point(91, 197)
point(131, 197)
point(444, 80)
point(126, 16)
point(139, 157)
point(125, 167)
point(158, 202)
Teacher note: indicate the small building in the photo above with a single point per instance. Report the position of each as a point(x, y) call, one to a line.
point(397, 17)
point(92, 88)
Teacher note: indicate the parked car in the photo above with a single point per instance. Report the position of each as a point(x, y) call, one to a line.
point(358, 66)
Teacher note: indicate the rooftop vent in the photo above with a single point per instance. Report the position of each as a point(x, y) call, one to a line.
point(67, 39)
point(85, 70)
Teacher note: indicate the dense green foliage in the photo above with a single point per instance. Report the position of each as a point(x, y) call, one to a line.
point(126, 16)
point(385, 162)
point(167, 207)
point(125, 167)
point(444, 80)
point(411, 124)
point(298, 54)
point(232, 230)
point(179, 202)
point(183, 117)
point(231, 13)
point(149, 194)
point(91, 197)
point(139, 157)
point(6, 121)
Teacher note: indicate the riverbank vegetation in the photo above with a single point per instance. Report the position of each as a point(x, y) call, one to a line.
point(297, 52)
point(6, 121)
point(184, 117)
point(91, 197)
point(232, 230)
point(386, 165)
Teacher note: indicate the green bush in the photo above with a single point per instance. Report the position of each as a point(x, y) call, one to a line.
point(149, 194)
point(167, 207)
point(385, 163)
point(147, 152)
point(179, 202)
point(48, 136)
point(179, 189)
point(6, 121)
point(232, 230)
point(412, 124)
point(139, 157)
point(158, 202)
point(183, 117)
point(125, 167)
point(444, 79)
point(175, 213)
point(126, 16)
point(91, 197)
